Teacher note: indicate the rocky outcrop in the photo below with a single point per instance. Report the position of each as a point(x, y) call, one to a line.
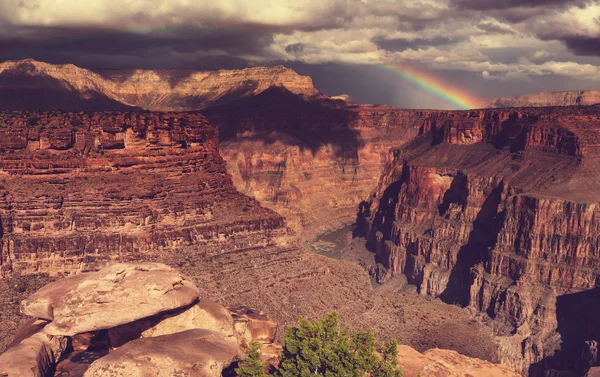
point(497, 210)
point(33, 85)
point(113, 296)
point(252, 326)
point(446, 363)
point(544, 99)
point(83, 189)
point(203, 314)
point(193, 340)
point(194, 353)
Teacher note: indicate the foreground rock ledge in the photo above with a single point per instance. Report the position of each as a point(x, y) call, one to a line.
point(113, 296)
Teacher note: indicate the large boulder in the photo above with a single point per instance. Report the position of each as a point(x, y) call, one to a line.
point(446, 363)
point(205, 314)
point(33, 355)
point(192, 353)
point(113, 296)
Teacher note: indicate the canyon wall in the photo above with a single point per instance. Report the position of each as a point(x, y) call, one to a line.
point(544, 99)
point(498, 210)
point(79, 189)
point(312, 162)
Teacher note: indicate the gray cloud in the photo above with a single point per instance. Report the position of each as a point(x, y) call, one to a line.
point(501, 47)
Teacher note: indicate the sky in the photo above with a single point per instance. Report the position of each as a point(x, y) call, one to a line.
point(477, 48)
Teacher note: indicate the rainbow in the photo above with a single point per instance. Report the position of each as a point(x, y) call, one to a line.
point(433, 84)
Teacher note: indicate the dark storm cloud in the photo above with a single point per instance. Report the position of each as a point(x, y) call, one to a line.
point(582, 45)
point(506, 4)
point(180, 46)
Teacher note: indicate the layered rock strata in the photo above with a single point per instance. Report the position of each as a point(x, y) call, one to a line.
point(311, 162)
point(544, 99)
point(82, 189)
point(498, 211)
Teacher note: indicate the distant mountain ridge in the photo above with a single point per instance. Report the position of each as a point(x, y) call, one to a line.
point(546, 99)
point(29, 84)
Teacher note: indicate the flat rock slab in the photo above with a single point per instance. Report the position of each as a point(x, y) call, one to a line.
point(41, 304)
point(113, 296)
point(192, 353)
point(205, 314)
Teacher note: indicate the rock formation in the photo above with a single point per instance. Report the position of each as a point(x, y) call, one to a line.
point(33, 85)
point(311, 162)
point(178, 338)
point(490, 209)
point(445, 363)
point(82, 189)
point(545, 99)
point(498, 210)
point(202, 339)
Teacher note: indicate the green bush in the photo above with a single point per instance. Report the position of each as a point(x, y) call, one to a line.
point(324, 349)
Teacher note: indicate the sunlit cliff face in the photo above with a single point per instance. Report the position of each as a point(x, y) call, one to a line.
point(488, 48)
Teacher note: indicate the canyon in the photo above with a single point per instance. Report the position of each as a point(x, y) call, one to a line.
point(492, 214)
point(83, 190)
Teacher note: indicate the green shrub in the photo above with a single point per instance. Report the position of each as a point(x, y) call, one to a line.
point(324, 349)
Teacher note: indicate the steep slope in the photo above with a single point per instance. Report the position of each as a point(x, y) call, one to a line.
point(29, 84)
point(498, 210)
point(545, 99)
point(311, 161)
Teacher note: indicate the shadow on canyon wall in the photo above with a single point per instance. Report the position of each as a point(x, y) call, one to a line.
point(277, 115)
point(482, 238)
point(579, 328)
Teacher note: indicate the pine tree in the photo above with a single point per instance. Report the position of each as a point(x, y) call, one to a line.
point(252, 366)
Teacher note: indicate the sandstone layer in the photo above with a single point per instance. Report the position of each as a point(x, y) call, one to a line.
point(545, 99)
point(498, 210)
point(82, 189)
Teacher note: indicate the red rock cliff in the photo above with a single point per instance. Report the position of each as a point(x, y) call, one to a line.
point(79, 189)
point(498, 210)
